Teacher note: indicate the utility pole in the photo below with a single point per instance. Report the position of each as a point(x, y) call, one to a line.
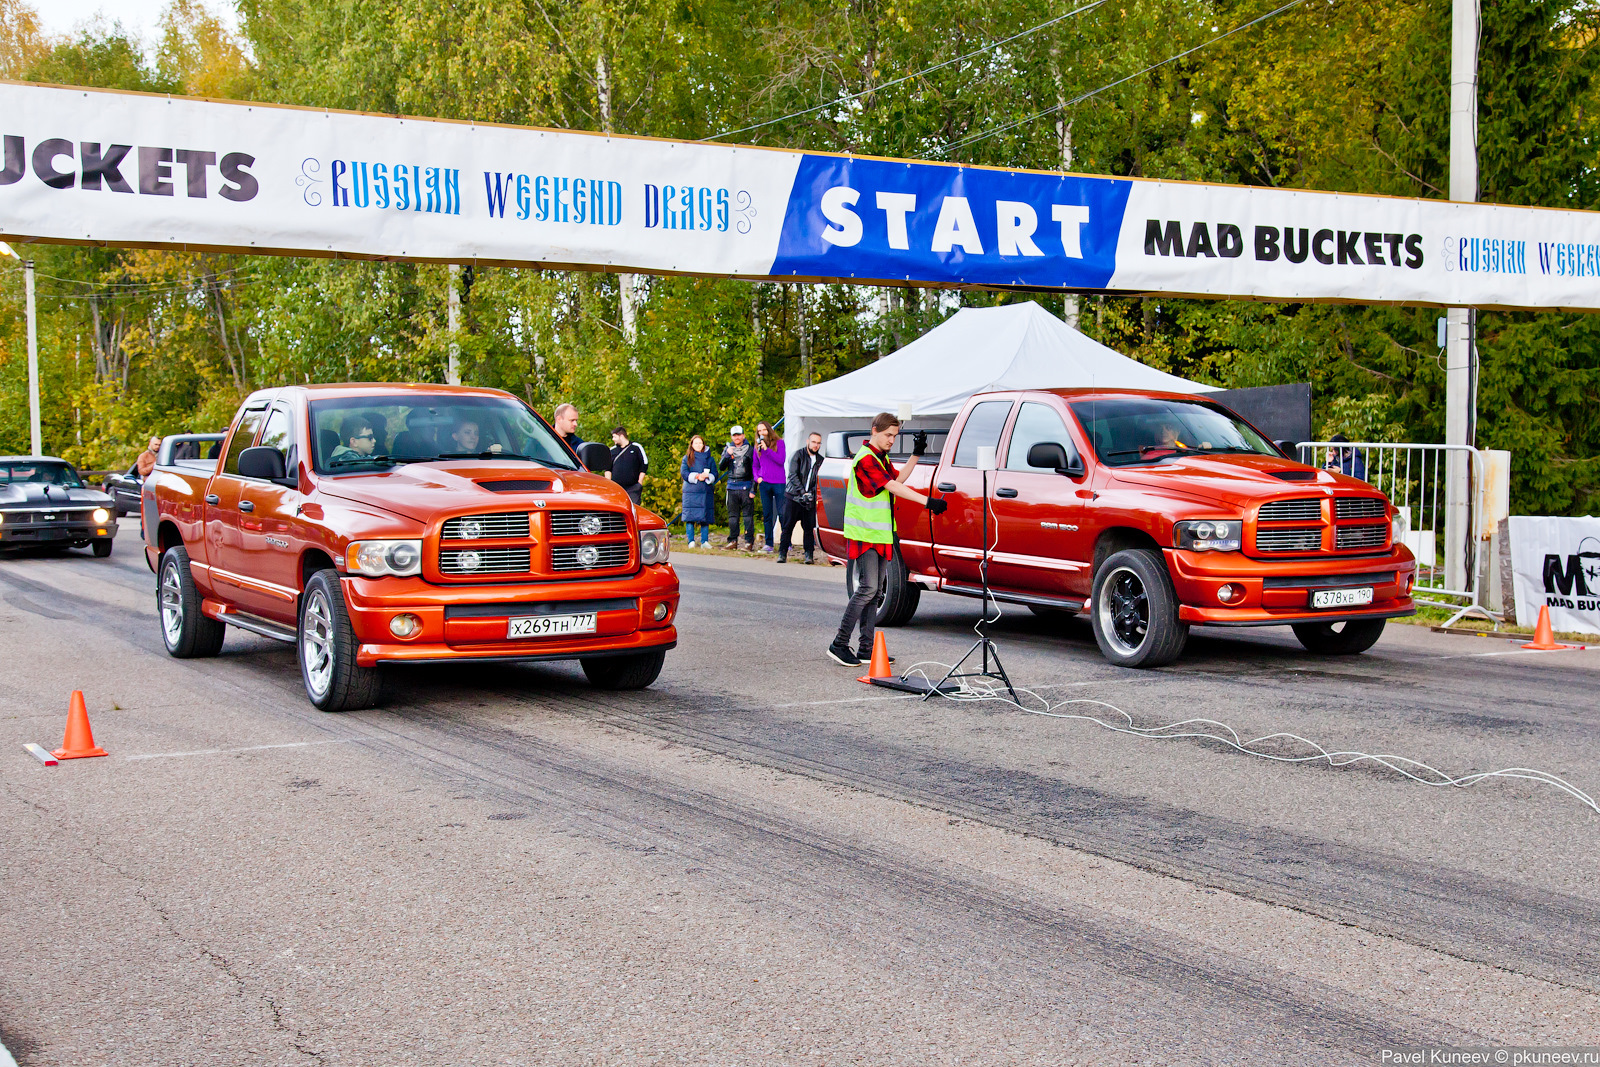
point(452, 374)
point(33, 362)
point(1461, 351)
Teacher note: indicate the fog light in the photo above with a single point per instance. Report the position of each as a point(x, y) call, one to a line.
point(588, 556)
point(102, 515)
point(660, 612)
point(403, 626)
point(1229, 593)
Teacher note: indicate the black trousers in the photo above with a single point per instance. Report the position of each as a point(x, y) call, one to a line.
point(742, 506)
point(806, 516)
point(871, 570)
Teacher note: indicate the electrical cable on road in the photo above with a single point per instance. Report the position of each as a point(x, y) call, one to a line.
point(1415, 770)
point(975, 138)
point(916, 74)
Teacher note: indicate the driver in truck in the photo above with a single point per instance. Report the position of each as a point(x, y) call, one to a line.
point(869, 529)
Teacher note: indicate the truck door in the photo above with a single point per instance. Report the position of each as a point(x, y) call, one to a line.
point(222, 507)
point(1044, 543)
point(957, 534)
point(270, 530)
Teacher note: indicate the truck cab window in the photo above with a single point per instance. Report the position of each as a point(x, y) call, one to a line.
point(278, 433)
point(982, 428)
point(1036, 424)
point(242, 439)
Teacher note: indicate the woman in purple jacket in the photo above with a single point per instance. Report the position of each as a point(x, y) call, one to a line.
point(770, 478)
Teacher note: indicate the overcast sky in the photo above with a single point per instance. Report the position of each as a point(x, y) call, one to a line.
point(140, 17)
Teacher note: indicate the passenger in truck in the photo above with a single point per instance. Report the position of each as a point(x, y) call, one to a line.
point(465, 436)
point(356, 440)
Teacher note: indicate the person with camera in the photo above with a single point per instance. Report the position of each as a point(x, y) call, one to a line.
point(800, 500)
point(869, 529)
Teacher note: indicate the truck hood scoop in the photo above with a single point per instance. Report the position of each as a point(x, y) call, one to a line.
point(421, 490)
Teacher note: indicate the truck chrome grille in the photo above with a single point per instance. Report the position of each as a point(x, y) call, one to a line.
point(470, 562)
point(1361, 507)
point(1291, 510)
point(1361, 536)
point(589, 557)
point(587, 523)
point(480, 527)
point(1292, 539)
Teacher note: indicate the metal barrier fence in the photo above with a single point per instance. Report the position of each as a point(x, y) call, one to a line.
point(1443, 525)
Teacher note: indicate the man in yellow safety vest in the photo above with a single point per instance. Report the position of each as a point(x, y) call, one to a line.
point(869, 530)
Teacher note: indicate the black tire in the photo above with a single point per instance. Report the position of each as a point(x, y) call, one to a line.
point(184, 630)
point(326, 650)
point(102, 547)
point(900, 595)
point(635, 671)
point(1135, 611)
point(1349, 638)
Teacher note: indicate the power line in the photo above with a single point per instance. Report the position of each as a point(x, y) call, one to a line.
point(927, 70)
point(975, 138)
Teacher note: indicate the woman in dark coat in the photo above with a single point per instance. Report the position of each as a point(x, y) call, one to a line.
point(699, 473)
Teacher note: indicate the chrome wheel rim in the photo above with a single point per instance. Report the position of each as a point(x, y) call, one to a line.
point(171, 605)
point(1124, 611)
point(316, 642)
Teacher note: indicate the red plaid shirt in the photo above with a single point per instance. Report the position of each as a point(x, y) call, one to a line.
point(871, 478)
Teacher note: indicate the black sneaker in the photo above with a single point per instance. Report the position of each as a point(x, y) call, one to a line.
point(866, 657)
point(782, 558)
point(842, 655)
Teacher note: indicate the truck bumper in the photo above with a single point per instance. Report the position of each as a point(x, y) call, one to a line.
point(1279, 592)
point(469, 623)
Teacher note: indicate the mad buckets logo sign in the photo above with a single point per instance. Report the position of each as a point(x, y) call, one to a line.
point(1556, 564)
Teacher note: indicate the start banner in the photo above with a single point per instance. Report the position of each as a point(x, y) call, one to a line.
point(1555, 563)
point(107, 168)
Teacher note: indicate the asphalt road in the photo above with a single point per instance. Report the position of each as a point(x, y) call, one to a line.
point(761, 860)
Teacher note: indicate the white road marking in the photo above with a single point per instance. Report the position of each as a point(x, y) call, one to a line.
point(246, 748)
point(1518, 652)
point(914, 696)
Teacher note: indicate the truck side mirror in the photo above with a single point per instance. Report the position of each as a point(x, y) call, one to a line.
point(262, 461)
point(595, 456)
point(1052, 456)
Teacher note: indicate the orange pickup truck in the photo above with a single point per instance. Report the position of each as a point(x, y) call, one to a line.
point(375, 524)
point(1150, 511)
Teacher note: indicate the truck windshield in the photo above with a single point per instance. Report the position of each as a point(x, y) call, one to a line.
point(40, 474)
point(1137, 429)
point(370, 433)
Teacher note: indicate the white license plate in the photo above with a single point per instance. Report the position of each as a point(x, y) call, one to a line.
point(1341, 598)
point(550, 625)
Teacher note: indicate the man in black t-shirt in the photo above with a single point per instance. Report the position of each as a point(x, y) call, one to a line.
point(628, 463)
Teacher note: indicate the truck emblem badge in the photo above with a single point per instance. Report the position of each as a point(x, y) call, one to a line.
point(538, 503)
point(277, 542)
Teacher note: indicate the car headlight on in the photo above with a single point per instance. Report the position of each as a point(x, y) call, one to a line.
point(1400, 525)
point(1209, 535)
point(375, 559)
point(654, 546)
point(101, 516)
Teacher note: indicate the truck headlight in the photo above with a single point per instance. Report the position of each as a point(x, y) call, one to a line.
point(654, 546)
point(375, 559)
point(1399, 526)
point(101, 516)
point(1209, 535)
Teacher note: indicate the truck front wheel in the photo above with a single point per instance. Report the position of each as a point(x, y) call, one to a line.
point(634, 671)
point(186, 632)
point(1339, 638)
point(1135, 611)
point(327, 649)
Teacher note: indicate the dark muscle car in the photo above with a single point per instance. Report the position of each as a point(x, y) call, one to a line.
point(43, 502)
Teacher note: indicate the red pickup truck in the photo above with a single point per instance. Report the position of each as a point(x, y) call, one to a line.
point(374, 524)
point(1150, 511)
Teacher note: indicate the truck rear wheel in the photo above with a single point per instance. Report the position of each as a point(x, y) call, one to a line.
point(186, 632)
point(1348, 638)
point(1135, 611)
point(634, 671)
point(900, 595)
point(327, 650)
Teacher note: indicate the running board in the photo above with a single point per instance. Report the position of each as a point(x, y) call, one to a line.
point(258, 625)
point(1013, 598)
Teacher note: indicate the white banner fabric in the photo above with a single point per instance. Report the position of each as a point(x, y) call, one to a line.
point(99, 167)
point(1555, 563)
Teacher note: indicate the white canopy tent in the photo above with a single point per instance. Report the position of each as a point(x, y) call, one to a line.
point(1017, 346)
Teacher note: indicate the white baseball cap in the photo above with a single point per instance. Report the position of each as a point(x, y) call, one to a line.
point(736, 428)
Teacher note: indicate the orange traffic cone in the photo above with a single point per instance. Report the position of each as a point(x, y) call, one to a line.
point(79, 740)
point(880, 660)
point(1544, 639)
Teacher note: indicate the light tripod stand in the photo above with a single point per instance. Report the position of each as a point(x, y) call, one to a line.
point(983, 645)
